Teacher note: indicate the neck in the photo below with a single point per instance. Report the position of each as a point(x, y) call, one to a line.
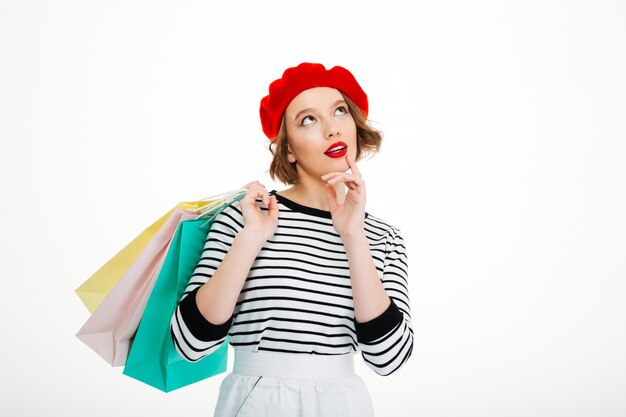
point(313, 193)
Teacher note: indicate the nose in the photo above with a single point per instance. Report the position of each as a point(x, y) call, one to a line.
point(332, 131)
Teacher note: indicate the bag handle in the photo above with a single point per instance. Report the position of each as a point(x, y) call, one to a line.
point(213, 206)
point(211, 214)
point(225, 197)
point(224, 194)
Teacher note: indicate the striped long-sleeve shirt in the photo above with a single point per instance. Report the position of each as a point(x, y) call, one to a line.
point(297, 297)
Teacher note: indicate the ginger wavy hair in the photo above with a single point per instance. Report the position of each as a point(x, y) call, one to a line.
point(368, 143)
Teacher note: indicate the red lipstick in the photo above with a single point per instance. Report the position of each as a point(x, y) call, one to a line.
point(337, 150)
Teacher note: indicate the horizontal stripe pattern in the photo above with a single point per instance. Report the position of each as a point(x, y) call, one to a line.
point(298, 297)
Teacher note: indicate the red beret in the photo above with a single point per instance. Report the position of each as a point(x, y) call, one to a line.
point(297, 79)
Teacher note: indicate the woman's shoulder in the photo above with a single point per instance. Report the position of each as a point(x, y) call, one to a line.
point(382, 226)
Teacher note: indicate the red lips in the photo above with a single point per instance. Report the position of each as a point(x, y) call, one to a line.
point(341, 150)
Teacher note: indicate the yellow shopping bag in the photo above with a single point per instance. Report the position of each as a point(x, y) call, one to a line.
point(98, 286)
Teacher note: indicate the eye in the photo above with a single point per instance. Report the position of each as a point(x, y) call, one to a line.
point(307, 120)
point(341, 110)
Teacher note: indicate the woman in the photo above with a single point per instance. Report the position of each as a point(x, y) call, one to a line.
point(302, 279)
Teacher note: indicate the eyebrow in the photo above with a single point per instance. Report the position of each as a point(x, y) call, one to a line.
point(308, 109)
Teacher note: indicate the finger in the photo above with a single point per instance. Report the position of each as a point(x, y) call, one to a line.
point(273, 207)
point(334, 173)
point(352, 165)
point(326, 177)
point(258, 187)
point(335, 179)
point(347, 178)
point(352, 186)
point(252, 184)
point(331, 196)
point(256, 192)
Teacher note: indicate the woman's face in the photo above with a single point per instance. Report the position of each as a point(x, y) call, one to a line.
point(316, 119)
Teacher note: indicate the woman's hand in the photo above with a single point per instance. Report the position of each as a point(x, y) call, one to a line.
point(349, 217)
point(254, 219)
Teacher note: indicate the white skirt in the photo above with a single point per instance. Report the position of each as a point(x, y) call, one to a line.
point(294, 385)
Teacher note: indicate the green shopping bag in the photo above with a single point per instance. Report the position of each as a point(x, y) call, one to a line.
point(153, 358)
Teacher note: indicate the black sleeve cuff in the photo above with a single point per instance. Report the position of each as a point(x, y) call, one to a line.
point(378, 327)
point(200, 327)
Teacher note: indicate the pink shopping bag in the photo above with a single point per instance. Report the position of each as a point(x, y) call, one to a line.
point(111, 328)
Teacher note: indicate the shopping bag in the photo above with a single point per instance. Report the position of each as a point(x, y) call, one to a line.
point(110, 329)
point(153, 358)
point(96, 287)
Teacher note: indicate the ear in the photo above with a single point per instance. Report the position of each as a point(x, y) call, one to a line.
point(290, 156)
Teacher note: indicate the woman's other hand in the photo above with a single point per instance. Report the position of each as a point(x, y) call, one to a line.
point(254, 220)
point(349, 217)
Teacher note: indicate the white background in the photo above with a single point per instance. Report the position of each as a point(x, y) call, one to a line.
point(503, 164)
